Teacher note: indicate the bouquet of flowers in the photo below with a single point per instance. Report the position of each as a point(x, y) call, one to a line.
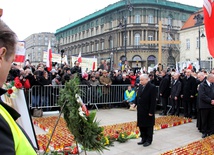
point(12, 88)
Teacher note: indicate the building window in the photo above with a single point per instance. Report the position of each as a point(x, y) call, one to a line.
point(150, 38)
point(97, 30)
point(137, 39)
point(88, 48)
point(137, 18)
point(110, 24)
point(102, 28)
point(151, 60)
point(102, 48)
point(150, 19)
point(170, 20)
point(46, 38)
point(187, 44)
point(97, 46)
point(197, 42)
point(111, 45)
point(92, 47)
point(92, 32)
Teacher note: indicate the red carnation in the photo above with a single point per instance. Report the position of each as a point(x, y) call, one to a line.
point(10, 91)
point(18, 85)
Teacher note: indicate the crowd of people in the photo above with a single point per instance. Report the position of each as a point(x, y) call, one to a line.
point(189, 90)
point(180, 91)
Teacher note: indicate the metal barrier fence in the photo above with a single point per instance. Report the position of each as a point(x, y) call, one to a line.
point(47, 96)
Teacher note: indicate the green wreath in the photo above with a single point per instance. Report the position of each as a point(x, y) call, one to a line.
point(82, 125)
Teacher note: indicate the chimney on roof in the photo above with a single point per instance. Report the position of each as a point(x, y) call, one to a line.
point(199, 19)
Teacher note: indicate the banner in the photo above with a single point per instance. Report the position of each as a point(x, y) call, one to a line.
point(55, 58)
point(20, 52)
point(86, 64)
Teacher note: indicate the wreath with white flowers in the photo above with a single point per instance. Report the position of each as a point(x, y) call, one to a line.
point(80, 122)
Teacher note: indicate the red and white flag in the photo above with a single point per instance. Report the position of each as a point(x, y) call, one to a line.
point(79, 58)
point(49, 58)
point(93, 65)
point(20, 52)
point(208, 22)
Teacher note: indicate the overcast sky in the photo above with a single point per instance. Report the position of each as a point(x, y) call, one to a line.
point(26, 17)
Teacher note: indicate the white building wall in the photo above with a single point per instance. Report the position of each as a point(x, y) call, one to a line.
point(191, 55)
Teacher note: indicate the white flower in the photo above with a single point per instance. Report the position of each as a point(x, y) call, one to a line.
point(81, 113)
point(14, 89)
point(13, 95)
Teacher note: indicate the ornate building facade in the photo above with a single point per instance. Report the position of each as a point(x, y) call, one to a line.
point(116, 31)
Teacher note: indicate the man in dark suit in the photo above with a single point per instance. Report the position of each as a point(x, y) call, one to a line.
point(146, 102)
point(188, 92)
point(164, 91)
point(175, 94)
point(206, 105)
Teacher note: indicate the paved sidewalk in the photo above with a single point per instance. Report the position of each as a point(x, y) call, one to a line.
point(164, 140)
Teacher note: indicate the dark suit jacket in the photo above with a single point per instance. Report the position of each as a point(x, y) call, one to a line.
point(205, 94)
point(189, 87)
point(175, 89)
point(164, 86)
point(146, 103)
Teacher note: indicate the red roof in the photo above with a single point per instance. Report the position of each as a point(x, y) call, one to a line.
point(191, 22)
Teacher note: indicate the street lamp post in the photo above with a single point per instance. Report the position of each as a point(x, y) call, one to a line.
point(121, 25)
point(112, 60)
point(62, 55)
point(199, 21)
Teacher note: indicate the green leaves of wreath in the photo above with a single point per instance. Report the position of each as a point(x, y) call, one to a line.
point(82, 125)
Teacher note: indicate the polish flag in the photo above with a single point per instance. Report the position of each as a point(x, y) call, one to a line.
point(208, 22)
point(93, 65)
point(190, 66)
point(49, 58)
point(20, 52)
point(79, 58)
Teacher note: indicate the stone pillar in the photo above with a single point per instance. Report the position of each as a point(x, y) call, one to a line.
point(128, 37)
point(132, 38)
point(142, 35)
point(146, 35)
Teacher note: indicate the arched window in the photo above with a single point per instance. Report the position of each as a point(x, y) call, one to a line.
point(152, 61)
point(137, 39)
point(150, 37)
point(150, 19)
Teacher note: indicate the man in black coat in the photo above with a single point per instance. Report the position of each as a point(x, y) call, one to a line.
point(188, 92)
point(146, 103)
point(164, 91)
point(175, 94)
point(206, 105)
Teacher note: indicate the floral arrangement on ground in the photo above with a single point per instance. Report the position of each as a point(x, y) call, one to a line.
point(122, 132)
